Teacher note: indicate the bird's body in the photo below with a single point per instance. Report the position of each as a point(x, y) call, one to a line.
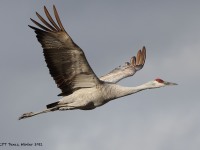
point(90, 98)
point(86, 98)
point(81, 88)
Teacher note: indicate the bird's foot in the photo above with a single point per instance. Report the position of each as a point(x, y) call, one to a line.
point(26, 115)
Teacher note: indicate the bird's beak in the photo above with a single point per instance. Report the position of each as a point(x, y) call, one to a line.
point(170, 83)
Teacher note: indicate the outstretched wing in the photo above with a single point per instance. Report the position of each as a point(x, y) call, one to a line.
point(129, 69)
point(66, 61)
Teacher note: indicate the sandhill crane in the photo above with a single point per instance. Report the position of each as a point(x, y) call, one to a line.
point(81, 88)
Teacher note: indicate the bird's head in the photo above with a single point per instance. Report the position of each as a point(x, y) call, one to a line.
point(161, 83)
point(157, 83)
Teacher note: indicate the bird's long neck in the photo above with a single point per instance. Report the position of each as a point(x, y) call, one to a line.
point(121, 91)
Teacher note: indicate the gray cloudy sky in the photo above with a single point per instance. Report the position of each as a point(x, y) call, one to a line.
point(109, 32)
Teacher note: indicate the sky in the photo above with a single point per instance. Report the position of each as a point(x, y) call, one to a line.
point(109, 32)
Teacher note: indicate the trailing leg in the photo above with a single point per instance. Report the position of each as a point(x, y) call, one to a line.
point(30, 114)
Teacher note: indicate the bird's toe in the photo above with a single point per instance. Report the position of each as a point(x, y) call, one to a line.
point(26, 115)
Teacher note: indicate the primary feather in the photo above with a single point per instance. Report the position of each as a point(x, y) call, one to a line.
point(127, 70)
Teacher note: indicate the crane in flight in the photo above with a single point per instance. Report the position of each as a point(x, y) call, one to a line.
point(80, 87)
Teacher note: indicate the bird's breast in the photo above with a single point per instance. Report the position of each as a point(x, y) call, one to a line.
point(90, 97)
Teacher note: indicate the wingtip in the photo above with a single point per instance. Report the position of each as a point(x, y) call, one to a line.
point(54, 8)
point(138, 57)
point(32, 20)
point(31, 27)
point(45, 7)
point(144, 53)
point(143, 48)
point(37, 14)
point(34, 28)
point(133, 61)
point(58, 18)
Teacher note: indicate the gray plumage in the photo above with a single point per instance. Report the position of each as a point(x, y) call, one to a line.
point(79, 85)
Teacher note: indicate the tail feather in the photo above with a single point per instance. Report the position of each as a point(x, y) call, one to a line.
point(52, 105)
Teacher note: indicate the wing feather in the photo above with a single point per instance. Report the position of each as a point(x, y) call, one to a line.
point(66, 61)
point(45, 22)
point(50, 19)
point(58, 18)
point(39, 25)
point(129, 69)
point(144, 53)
